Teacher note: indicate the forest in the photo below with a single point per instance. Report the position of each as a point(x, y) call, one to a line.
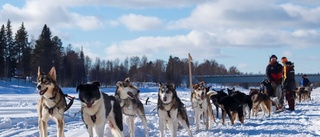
point(20, 57)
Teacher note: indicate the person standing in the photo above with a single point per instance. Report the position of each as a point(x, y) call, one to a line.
point(274, 73)
point(289, 82)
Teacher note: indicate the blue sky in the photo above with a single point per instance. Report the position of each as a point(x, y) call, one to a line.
point(232, 32)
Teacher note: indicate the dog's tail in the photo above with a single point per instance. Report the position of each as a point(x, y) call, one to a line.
point(116, 133)
point(211, 93)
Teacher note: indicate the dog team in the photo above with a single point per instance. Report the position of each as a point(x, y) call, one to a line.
point(99, 108)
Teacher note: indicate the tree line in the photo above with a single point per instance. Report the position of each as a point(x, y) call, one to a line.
point(20, 57)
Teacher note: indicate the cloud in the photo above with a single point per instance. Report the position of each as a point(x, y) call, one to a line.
point(140, 22)
point(135, 4)
point(36, 13)
point(159, 47)
point(207, 31)
point(254, 24)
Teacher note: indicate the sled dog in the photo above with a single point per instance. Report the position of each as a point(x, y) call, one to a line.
point(128, 96)
point(201, 105)
point(171, 110)
point(303, 93)
point(243, 98)
point(52, 102)
point(262, 100)
point(229, 105)
point(97, 108)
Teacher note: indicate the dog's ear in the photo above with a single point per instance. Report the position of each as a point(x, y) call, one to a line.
point(160, 84)
point(96, 83)
point(195, 86)
point(53, 74)
point(127, 80)
point(173, 86)
point(208, 88)
point(79, 87)
point(39, 72)
point(119, 84)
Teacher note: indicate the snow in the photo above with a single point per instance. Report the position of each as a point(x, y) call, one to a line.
point(18, 117)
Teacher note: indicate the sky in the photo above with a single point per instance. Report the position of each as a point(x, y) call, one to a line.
point(18, 116)
point(236, 33)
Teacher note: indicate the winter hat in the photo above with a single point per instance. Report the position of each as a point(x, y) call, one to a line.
point(284, 59)
point(273, 56)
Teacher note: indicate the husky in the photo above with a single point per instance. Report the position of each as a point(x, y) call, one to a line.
point(52, 102)
point(243, 98)
point(303, 93)
point(128, 96)
point(229, 105)
point(171, 110)
point(201, 105)
point(97, 108)
point(260, 99)
point(276, 97)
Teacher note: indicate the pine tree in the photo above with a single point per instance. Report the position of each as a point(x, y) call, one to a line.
point(23, 51)
point(2, 51)
point(45, 52)
point(81, 68)
point(11, 53)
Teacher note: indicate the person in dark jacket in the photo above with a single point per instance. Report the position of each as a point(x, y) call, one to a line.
point(289, 82)
point(274, 73)
point(305, 82)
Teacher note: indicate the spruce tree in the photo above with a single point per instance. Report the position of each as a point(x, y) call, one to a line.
point(81, 68)
point(23, 51)
point(11, 53)
point(44, 50)
point(2, 51)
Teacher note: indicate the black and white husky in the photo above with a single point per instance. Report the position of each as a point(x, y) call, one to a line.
point(97, 108)
point(171, 110)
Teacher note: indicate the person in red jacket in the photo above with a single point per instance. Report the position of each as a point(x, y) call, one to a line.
point(274, 73)
point(289, 82)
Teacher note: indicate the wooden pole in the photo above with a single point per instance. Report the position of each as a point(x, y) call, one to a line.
point(190, 71)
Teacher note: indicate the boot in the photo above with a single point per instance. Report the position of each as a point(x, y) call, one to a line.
point(290, 99)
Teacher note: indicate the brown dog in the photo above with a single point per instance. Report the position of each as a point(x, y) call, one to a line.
point(262, 100)
point(52, 102)
point(303, 93)
point(201, 105)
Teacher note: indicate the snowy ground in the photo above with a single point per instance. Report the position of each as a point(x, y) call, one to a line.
point(18, 117)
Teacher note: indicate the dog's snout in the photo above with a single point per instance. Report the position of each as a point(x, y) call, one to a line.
point(164, 98)
point(39, 87)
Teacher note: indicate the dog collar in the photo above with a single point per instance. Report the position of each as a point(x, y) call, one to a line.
point(53, 97)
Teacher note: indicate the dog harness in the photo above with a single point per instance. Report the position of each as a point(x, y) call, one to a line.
point(67, 106)
point(168, 111)
point(200, 104)
point(94, 118)
point(50, 109)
